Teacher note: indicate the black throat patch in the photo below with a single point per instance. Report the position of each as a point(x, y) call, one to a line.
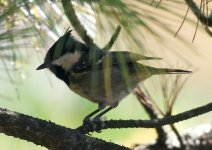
point(65, 76)
point(60, 73)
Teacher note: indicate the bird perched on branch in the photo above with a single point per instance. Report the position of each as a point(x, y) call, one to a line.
point(100, 76)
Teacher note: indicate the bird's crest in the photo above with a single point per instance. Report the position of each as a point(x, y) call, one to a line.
point(60, 43)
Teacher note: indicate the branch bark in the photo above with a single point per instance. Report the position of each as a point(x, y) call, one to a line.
point(48, 134)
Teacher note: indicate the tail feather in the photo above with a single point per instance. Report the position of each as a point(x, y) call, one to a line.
point(157, 71)
point(170, 71)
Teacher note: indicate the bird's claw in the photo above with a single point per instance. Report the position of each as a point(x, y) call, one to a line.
point(94, 125)
point(99, 124)
point(89, 125)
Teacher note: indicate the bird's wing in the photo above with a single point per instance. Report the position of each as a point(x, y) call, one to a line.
point(88, 60)
point(123, 57)
point(129, 56)
point(110, 59)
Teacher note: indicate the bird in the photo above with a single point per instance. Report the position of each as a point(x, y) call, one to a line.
point(100, 76)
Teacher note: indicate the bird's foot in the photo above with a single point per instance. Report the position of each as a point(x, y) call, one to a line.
point(99, 124)
point(93, 125)
point(89, 125)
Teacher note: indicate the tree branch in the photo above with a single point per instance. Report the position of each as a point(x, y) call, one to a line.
point(56, 137)
point(71, 15)
point(208, 31)
point(48, 134)
point(198, 13)
point(154, 123)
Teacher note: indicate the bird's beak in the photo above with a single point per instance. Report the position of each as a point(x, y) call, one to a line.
point(42, 66)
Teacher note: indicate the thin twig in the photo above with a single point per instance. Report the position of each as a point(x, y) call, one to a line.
point(174, 129)
point(162, 136)
point(182, 22)
point(171, 98)
point(113, 124)
point(198, 19)
point(113, 38)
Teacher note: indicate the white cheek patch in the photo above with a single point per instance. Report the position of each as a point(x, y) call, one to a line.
point(68, 60)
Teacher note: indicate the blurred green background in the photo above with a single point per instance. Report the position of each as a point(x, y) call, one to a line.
point(29, 27)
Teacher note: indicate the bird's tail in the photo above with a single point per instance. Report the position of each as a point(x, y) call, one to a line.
point(169, 71)
point(158, 71)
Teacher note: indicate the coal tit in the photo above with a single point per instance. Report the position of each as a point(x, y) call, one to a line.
point(103, 77)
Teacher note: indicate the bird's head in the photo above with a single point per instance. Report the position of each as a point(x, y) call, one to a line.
point(62, 53)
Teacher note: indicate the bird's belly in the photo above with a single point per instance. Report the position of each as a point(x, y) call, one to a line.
point(107, 96)
point(108, 88)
